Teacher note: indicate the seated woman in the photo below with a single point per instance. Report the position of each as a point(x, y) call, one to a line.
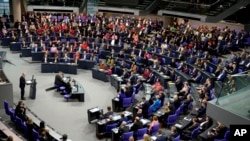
point(185, 90)
point(146, 73)
point(46, 53)
point(24, 45)
point(157, 87)
point(77, 56)
point(133, 68)
point(66, 58)
point(168, 110)
point(53, 49)
point(102, 66)
point(217, 132)
point(43, 131)
point(20, 110)
point(156, 104)
point(85, 46)
point(154, 122)
point(30, 127)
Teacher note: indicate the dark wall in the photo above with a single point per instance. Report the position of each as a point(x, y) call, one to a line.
point(247, 27)
point(123, 2)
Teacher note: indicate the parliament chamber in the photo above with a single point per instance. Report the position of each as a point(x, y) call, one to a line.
point(138, 70)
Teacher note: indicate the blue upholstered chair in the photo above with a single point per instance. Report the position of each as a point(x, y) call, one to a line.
point(126, 136)
point(35, 135)
point(6, 107)
point(177, 138)
point(12, 115)
point(140, 133)
point(126, 102)
point(171, 120)
point(179, 111)
point(18, 122)
point(108, 129)
point(195, 133)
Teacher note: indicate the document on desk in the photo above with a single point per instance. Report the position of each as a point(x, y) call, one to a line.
point(94, 110)
point(116, 117)
point(74, 89)
point(178, 125)
point(115, 130)
point(127, 113)
point(153, 138)
point(145, 121)
point(119, 78)
point(187, 119)
point(116, 99)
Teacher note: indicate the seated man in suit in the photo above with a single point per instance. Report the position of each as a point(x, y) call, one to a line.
point(222, 75)
point(144, 106)
point(123, 128)
point(198, 77)
point(137, 124)
point(161, 136)
point(59, 79)
point(173, 133)
point(66, 58)
point(85, 56)
point(202, 110)
point(151, 79)
point(108, 113)
point(123, 118)
point(178, 83)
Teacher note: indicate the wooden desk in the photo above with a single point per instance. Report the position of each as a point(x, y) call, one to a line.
point(101, 124)
point(56, 67)
point(86, 64)
point(78, 92)
point(100, 75)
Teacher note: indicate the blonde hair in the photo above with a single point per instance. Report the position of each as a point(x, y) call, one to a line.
point(146, 137)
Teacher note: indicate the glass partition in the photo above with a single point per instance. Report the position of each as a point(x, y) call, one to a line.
point(233, 84)
point(4, 7)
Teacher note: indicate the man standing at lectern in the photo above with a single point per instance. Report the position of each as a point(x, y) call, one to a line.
point(22, 83)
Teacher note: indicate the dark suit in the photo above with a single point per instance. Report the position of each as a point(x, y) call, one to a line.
point(161, 138)
point(22, 83)
point(106, 115)
point(58, 80)
point(173, 135)
point(123, 130)
point(137, 125)
point(145, 107)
